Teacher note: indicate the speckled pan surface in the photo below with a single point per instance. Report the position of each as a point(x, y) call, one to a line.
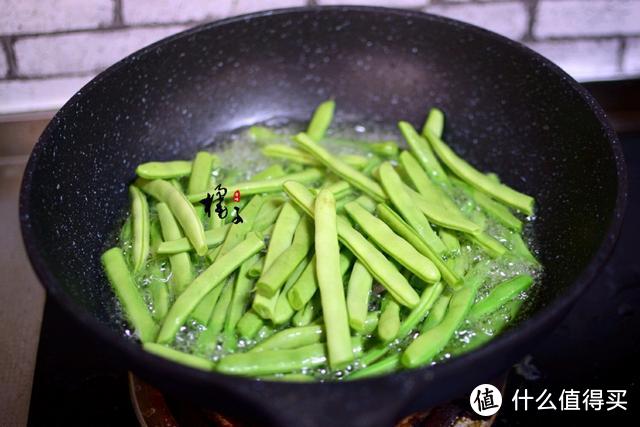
point(509, 111)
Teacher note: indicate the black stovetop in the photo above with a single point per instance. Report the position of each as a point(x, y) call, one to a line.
point(597, 346)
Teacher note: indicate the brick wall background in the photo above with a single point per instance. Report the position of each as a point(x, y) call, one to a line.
point(50, 48)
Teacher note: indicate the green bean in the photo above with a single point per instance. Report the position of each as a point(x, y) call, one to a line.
point(268, 213)
point(321, 120)
point(263, 134)
point(437, 313)
point(205, 282)
point(304, 316)
point(500, 294)
point(354, 160)
point(164, 170)
point(379, 267)
point(427, 299)
point(370, 323)
point(200, 173)
point(394, 245)
point(125, 232)
point(140, 228)
point(421, 149)
point(360, 283)
point(155, 237)
point(281, 239)
point(389, 322)
point(208, 339)
point(239, 301)
point(340, 168)
point(278, 361)
point(519, 248)
point(339, 189)
point(190, 360)
point(290, 378)
point(334, 307)
point(307, 284)
point(237, 232)
point(270, 172)
point(382, 148)
point(494, 248)
point(498, 323)
point(256, 269)
point(478, 180)
point(283, 311)
point(384, 366)
point(403, 202)
point(181, 269)
point(501, 213)
point(457, 260)
point(182, 210)
point(373, 163)
point(424, 348)
point(159, 293)
point(264, 186)
point(127, 292)
point(292, 338)
point(434, 123)
point(212, 238)
point(274, 276)
point(204, 309)
point(249, 324)
point(290, 153)
point(397, 224)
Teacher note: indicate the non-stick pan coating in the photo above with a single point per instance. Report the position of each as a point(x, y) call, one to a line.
point(508, 110)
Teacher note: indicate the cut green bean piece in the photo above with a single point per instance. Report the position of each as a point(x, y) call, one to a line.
point(164, 170)
point(283, 311)
point(278, 361)
point(389, 322)
point(256, 269)
point(307, 284)
point(200, 173)
point(497, 325)
point(421, 149)
point(249, 324)
point(275, 275)
point(434, 123)
point(239, 301)
point(270, 172)
point(494, 248)
point(403, 202)
point(290, 153)
point(179, 357)
point(397, 224)
point(424, 348)
point(384, 366)
point(204, 309)
point(181, 269)
point(182, 210)
point(371, 323)
point(304, 316)
point(500, 294)
point(501, 213)
point(268, 213)
point(238, 232)
point(208, 339)
point(360, 283)
point(478, 180)
point(290, 378)
point(281, 239)
point(428, 299)
point(213, 238)
point(155, 237)
point(321, 120)
point(334, 307)
point(379, 267)
point(519, 248)
point(159, 293)
point(292, 338)
point(340, 168)
point(437, 313)
point(263, 134)
point(205, 282)
point(394, 245)
point(140, 228)
point(265, 186)
point(134, 307)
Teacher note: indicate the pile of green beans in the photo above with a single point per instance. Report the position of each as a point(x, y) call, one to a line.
point(345, 265)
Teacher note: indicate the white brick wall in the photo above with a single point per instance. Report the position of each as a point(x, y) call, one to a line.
point(507, 18)
point(583, 59)
point(631, 62)
point(171, 11)
point(50, 47)
point(37, 16)
point(587, 17)
point(82, 52)
point(38, 95)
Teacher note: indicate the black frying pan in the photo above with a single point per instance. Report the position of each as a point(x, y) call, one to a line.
point(509, 111)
